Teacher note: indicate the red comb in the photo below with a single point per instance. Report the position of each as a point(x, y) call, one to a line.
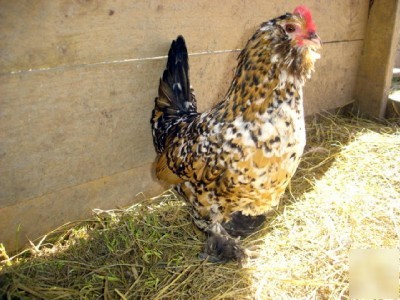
point(305, 13)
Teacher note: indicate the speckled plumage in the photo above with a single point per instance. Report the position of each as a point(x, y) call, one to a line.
point(234, 162)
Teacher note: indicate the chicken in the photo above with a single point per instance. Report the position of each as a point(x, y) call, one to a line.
point(233, 162)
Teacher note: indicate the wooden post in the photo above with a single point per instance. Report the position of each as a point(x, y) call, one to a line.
point(375, 73)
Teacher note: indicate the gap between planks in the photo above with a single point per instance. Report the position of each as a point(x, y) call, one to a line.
point(128, 60)
point(113, 62)
point(62, 189)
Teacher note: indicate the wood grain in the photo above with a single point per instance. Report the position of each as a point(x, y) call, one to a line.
point(376, 68)
point(66, 127)
point(332, 84)
point(78, 81)
point(61, 128)
point(31, 218)
point(42, 34)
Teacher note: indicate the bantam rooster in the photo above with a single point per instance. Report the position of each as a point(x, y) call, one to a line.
point(233, 162)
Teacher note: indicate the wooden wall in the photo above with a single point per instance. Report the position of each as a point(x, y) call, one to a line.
point(78, 80)
point(397, 56)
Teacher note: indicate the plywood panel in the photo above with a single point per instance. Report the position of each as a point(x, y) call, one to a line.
point(71, 172)
point(333, 83)
point(32, 218)
point(65, 127)
point(78, 81)
point(41, 34)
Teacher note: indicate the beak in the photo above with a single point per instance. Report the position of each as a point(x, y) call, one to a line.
point(314, 38)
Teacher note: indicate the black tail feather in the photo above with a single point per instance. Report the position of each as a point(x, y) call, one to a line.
point(176, 74)
point(175, 97)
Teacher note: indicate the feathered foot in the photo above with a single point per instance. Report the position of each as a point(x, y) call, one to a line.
point(220, 247)
point(242, 225)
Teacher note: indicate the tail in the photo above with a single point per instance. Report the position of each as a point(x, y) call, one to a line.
point(175, 102)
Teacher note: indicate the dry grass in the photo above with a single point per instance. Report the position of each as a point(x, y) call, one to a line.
point(344, 195)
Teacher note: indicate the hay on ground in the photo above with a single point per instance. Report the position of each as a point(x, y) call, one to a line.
point(344, 196)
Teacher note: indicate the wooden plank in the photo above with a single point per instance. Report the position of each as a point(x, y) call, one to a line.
point(64, 127)
point(61, 128)
point(72, 174)
point(332, 84)
point(377, 61)
point(329, 87)
point(397, 59)
point(397, 55)
point(32, 218)
point(43, 34)
point(77, 135)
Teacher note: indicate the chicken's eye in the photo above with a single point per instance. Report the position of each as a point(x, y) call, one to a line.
point(290, 28)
